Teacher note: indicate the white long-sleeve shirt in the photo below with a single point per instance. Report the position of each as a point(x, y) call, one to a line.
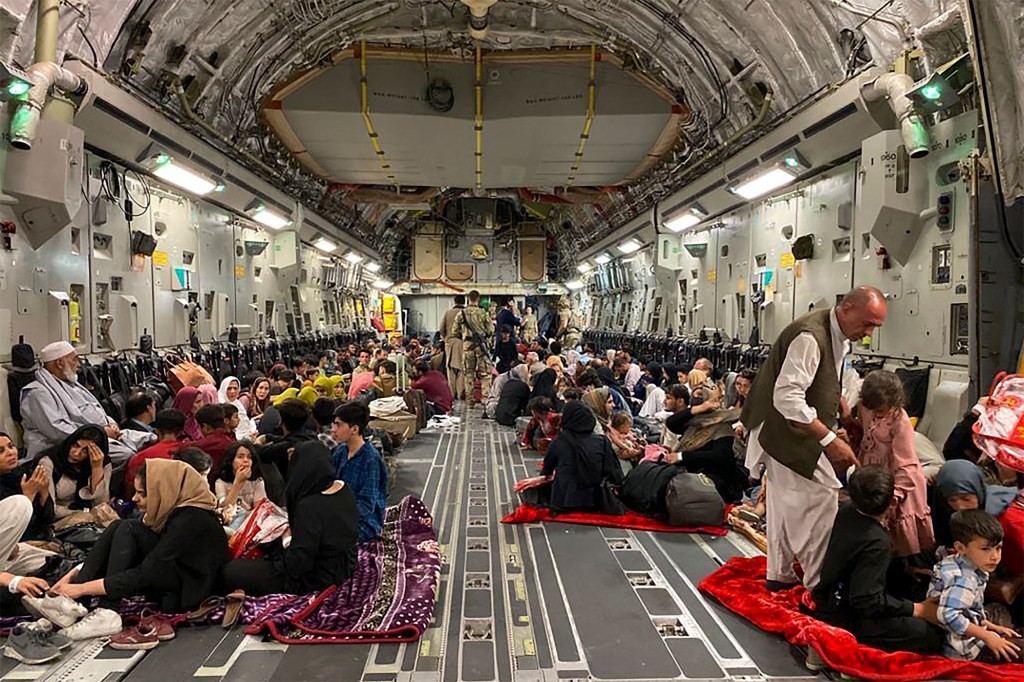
point(633, 375)
point(790, 393)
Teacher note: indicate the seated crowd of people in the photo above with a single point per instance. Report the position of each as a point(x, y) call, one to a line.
point(926, 556)
point(94, 509)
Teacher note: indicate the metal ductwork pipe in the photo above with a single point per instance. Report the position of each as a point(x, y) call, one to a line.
point(479, 21)
point(25, 119)
point(894, 86)
point(45, 74)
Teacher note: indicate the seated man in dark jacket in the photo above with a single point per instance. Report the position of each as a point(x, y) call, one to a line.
point(852, 592)
point(705, 444)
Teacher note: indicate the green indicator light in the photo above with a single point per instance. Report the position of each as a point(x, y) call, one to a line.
point(17, 88)
point(931, 92)
point(792, 162)
point(219, 188)
point(161, 159)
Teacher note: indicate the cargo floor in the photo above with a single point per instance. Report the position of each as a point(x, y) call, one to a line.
point(545, 602)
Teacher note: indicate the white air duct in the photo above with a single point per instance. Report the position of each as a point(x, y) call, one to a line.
point(479, 22)
point(894, 86)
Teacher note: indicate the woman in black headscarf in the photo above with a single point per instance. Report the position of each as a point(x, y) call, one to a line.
point(544, 386)
point(582, 463)
point(320, 548)
point(652, 376)
point(671, 375)
point(79, 470)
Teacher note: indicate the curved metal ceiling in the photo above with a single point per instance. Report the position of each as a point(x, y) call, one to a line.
point(718, 57)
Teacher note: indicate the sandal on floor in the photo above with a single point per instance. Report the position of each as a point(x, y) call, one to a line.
point(235, 600)
point(208, 605)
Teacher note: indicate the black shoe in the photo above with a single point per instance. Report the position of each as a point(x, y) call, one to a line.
point(778, 585)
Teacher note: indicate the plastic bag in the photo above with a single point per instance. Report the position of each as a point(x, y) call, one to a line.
point(999, 431)
point(266, 523)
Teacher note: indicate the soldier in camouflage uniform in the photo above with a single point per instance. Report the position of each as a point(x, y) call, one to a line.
point(568, 332)
point(476, 358)
point(451, 330)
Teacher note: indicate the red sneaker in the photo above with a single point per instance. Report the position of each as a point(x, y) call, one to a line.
point(136, 637)
point(158, 622)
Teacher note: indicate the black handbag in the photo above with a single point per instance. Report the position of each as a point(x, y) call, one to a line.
point(609, 502)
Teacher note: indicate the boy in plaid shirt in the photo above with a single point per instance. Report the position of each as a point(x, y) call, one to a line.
point(959, 583)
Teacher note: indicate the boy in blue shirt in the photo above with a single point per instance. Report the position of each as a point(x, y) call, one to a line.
point(959, 580)
point(361, 467)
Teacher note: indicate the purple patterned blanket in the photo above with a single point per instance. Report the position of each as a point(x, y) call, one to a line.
point(390, 597)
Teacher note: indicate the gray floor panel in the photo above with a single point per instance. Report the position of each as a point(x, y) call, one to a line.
point(555, 613)
point(694, 658)
point(716, 636)
point(616, 632)
point(322, 662)
point(555, 603)
point(657, 601)
point(253, 666)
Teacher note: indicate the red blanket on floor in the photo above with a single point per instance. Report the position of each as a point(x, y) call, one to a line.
point(739, 586)
point(527, 514)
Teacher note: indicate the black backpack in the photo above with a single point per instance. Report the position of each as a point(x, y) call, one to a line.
point(23, 373)
point(644, 488)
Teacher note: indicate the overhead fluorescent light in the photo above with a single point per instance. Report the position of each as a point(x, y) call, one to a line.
point(372, 266)
point(629, 246)
point(764, 182)
point(603, 258)
point(684, 221)
point(264, 216)
point(584, 267)
point(325, 245)
point(383, 284)
point(574, 284)
point(162, 165)
point(353, 257)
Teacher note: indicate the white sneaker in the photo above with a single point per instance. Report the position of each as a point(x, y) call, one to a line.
point(56, 608)
point(99, 623)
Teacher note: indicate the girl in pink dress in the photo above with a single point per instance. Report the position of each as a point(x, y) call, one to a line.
point(889, 441)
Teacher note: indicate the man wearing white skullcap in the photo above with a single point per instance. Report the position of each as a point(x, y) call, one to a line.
point(55, 405)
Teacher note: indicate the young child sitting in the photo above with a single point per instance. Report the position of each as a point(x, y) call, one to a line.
point(621, 434)
point(959, 583)
point(543, 417)
point(852, 591)
point(888, 440)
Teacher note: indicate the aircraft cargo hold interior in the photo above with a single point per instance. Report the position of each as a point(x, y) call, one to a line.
point(539, 340)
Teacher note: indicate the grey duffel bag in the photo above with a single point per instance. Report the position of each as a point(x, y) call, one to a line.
point(692, 500)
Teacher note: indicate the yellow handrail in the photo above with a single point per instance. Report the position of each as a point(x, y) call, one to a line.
point(585, 135)
point(478, 120)
point(365, 111)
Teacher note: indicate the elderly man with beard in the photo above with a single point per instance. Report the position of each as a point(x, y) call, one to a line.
point(55, 405)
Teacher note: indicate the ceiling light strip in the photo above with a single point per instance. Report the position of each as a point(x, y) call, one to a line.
point(478, 119)
point(585, 135)
point(365, 111)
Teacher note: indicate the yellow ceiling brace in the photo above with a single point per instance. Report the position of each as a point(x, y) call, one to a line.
point(478, 120)
point(585, 135)
point(365, 110)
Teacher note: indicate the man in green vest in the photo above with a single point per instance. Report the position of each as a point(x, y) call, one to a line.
point(791, 413)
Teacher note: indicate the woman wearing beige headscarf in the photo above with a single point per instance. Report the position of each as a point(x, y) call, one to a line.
point(601, 404)
point(173, 555)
